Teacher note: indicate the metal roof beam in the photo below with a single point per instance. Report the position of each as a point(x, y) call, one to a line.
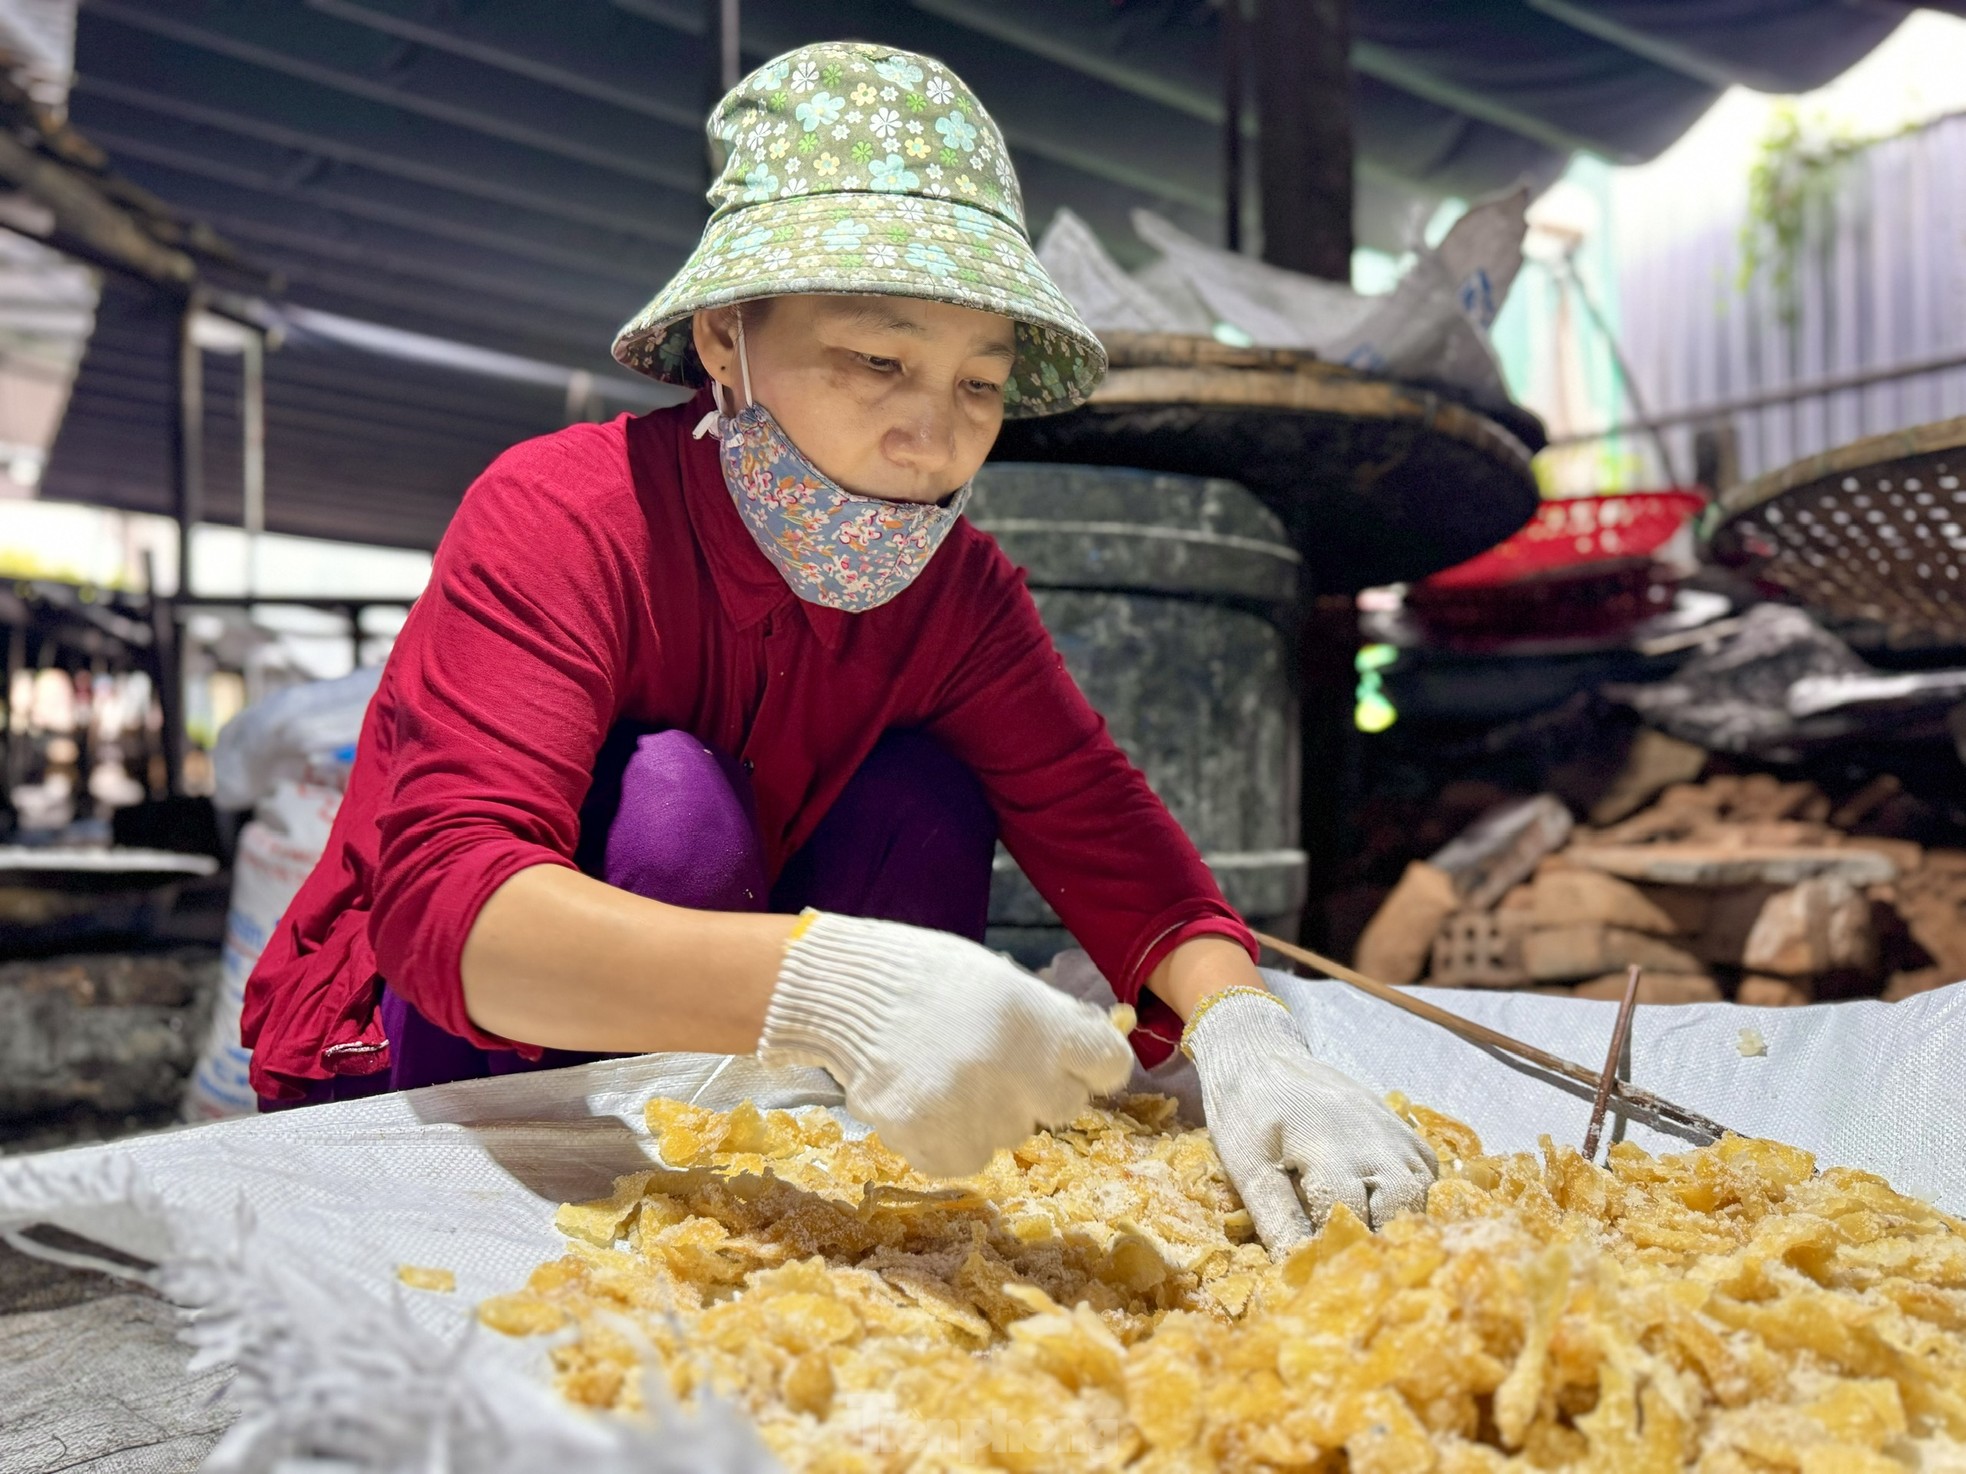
point(1170, 69)
point(1048, 112)
point(1390, 65)
point(291, 41)
point(333, 286)
point(508, 176)
point(589, 49)
point(1654, 49)
point(394, 248)
point(366, 196)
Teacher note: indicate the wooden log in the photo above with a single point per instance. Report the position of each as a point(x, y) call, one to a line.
point(1921, 980)
point(1655, 763)
point(1502, 848)
point(1731, 912)
point(1766, 992)
point(1562, 953)
point(1822, 925)
point(1908, 855)
point(1400, 937)
point(1721, 865)
point(1866, 801)
point(1933, 905)
point(1688, 908)
point(1565, 897)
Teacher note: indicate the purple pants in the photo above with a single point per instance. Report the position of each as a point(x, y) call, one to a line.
point(910, 839)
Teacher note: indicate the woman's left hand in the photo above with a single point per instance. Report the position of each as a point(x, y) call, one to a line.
point(1296, 1136)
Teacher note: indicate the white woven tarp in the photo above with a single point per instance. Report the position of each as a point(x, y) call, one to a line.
point(290, 1227)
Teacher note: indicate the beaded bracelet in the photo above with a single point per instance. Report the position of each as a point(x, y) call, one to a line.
point(1202, 1008)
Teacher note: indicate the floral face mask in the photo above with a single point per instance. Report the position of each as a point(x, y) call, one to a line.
point(834, 548)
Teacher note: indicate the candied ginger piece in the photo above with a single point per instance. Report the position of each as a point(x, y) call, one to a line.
point(418, 1277)
point(604, 1220)
point(521, 1315)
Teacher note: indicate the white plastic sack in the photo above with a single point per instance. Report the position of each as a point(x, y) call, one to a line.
point(1432, 326)
point(276, 852)
point(1098, 286)
point(291, 1226)
point(1277, 308)
point(288, 735)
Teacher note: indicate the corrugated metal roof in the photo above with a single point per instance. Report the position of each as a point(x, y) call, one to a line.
point(522, 174)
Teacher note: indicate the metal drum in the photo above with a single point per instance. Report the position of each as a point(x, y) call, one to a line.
point(1169, 598)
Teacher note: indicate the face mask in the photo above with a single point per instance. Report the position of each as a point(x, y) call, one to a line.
point(834, 548)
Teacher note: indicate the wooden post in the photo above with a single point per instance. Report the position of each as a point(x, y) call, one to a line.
point(1302, 56)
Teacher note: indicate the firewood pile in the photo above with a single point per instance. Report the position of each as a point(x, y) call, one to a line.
point(1741, 887)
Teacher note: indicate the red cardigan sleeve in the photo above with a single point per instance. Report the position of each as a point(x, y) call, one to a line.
point(1075, 813)
point(509, 683)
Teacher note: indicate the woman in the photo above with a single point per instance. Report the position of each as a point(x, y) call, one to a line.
point(704, 732)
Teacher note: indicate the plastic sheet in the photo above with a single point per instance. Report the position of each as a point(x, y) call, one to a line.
point(292, 1225)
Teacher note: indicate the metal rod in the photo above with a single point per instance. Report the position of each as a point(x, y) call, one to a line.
point(167, 672)
point(1621, 1033)
point(729, 25)
point(1769, 399)
point(1475, 1033)
point(252, 471)
point(16, 715)
point(188, 492)
point(1632, 392)
point(1232, 110)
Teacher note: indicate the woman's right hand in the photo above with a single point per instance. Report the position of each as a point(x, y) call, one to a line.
point(945, 1048)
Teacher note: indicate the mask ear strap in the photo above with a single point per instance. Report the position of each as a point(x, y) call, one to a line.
point(743, 362)
point(708, 424)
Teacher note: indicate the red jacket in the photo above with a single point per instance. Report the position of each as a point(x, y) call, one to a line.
point(601, 574)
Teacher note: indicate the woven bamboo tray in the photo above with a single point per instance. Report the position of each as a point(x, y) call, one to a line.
point(1377, 481)
point(1872, 531)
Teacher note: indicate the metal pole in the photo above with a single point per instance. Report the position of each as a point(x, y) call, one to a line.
point(188, 444)
point(1632, 393)
point(167, 672)
point(1232, 64)
point(16, 715)
point(1789, 394)
point(252, 418)
point(729, 21)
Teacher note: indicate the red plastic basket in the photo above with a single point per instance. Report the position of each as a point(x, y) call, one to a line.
point(1572, 534)
point(1583, 567)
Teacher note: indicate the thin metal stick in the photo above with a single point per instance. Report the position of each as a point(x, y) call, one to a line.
point(1620, 1033)
point(1643, 1100)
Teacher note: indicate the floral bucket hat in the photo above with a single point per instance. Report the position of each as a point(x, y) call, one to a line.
point(857, 168)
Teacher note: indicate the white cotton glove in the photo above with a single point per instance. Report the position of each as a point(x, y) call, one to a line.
point(943, 1047)
point(1295, 1136)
